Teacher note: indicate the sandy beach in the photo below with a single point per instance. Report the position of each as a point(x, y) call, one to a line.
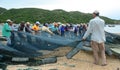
point(81, 61)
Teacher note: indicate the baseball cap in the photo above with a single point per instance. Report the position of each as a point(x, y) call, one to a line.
point(95, 12)
point(37, 22)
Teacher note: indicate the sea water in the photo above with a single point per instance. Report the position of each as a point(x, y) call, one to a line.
point(114, 29)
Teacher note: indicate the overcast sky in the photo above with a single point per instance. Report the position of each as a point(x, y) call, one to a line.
point(108, 8)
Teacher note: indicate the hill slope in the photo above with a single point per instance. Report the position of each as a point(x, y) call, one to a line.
point(2, 10)
point(47, 16)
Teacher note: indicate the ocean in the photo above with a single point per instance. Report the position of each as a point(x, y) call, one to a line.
point(114, 29)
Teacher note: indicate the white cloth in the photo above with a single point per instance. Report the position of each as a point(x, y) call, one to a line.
point(46, 29)
point(96, 29)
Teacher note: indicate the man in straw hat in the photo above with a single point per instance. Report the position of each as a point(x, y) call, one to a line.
point(96, 29)
point(27, 27)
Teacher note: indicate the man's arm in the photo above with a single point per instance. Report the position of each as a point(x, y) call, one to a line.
point(89, 30)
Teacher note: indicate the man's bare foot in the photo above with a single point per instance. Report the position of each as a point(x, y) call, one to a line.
point(95, 63)
point(103, 64)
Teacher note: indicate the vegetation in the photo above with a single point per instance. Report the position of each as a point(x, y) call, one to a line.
point(2, 10)
point(47, 16)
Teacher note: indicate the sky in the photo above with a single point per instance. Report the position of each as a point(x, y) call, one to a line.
point(107, 8)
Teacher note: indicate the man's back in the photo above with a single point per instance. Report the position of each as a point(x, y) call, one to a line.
point(97, 29)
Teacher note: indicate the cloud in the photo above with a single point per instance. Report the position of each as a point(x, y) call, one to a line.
point(109, 8)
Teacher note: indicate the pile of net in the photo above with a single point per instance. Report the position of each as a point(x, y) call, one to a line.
point(29, 45)
point(44, 45)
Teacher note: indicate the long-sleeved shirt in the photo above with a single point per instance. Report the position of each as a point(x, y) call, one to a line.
point(96, 29)
point(6, 31)
point(28, 29)
point(46, 29)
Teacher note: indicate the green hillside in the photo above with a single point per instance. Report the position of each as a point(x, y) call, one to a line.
point(47, 16)
point(2, 10)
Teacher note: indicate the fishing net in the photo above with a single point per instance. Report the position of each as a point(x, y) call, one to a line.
point(45, 44)
point(43, 48)
point(33, 45)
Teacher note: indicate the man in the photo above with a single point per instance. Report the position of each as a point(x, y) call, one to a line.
point(96, 29)
point(45, 28)
point(62, 30)
point(27, 27)
point(22, 26)
point(6, 31)
point(36, 27)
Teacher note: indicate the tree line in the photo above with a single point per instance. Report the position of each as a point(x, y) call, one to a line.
point(48, 16)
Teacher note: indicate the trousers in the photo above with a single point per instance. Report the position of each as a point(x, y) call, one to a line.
point(98, 50)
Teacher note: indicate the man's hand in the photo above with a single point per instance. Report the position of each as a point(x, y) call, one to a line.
point(83, 39)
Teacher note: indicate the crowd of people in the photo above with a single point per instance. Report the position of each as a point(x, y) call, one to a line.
point(95, 27)
point(56, 28)
point(52, 28)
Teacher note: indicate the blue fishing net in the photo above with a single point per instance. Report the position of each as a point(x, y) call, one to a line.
point(32, 44)
point(29, 45)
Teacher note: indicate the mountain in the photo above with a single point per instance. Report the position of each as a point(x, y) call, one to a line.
point(2, 10)
point(48, 16)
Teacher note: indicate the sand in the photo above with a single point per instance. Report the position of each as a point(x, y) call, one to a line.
point(81, 61)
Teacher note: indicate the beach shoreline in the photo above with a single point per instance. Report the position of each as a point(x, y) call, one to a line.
point(81, 61)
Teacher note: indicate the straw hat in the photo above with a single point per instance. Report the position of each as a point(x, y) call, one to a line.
point(8, 20)
point(28, 23)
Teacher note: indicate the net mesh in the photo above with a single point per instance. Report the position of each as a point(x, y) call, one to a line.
point(29, 45)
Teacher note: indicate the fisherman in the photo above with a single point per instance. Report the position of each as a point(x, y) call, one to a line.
point(76, 30)
point(96, 29)
point(62, 30)
point(46, 29)
point(27, 28)
point(84, 29)
point(22, 26)
point(36, 27)
point(54, 28)
point(81, 30)
point(6, 31)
